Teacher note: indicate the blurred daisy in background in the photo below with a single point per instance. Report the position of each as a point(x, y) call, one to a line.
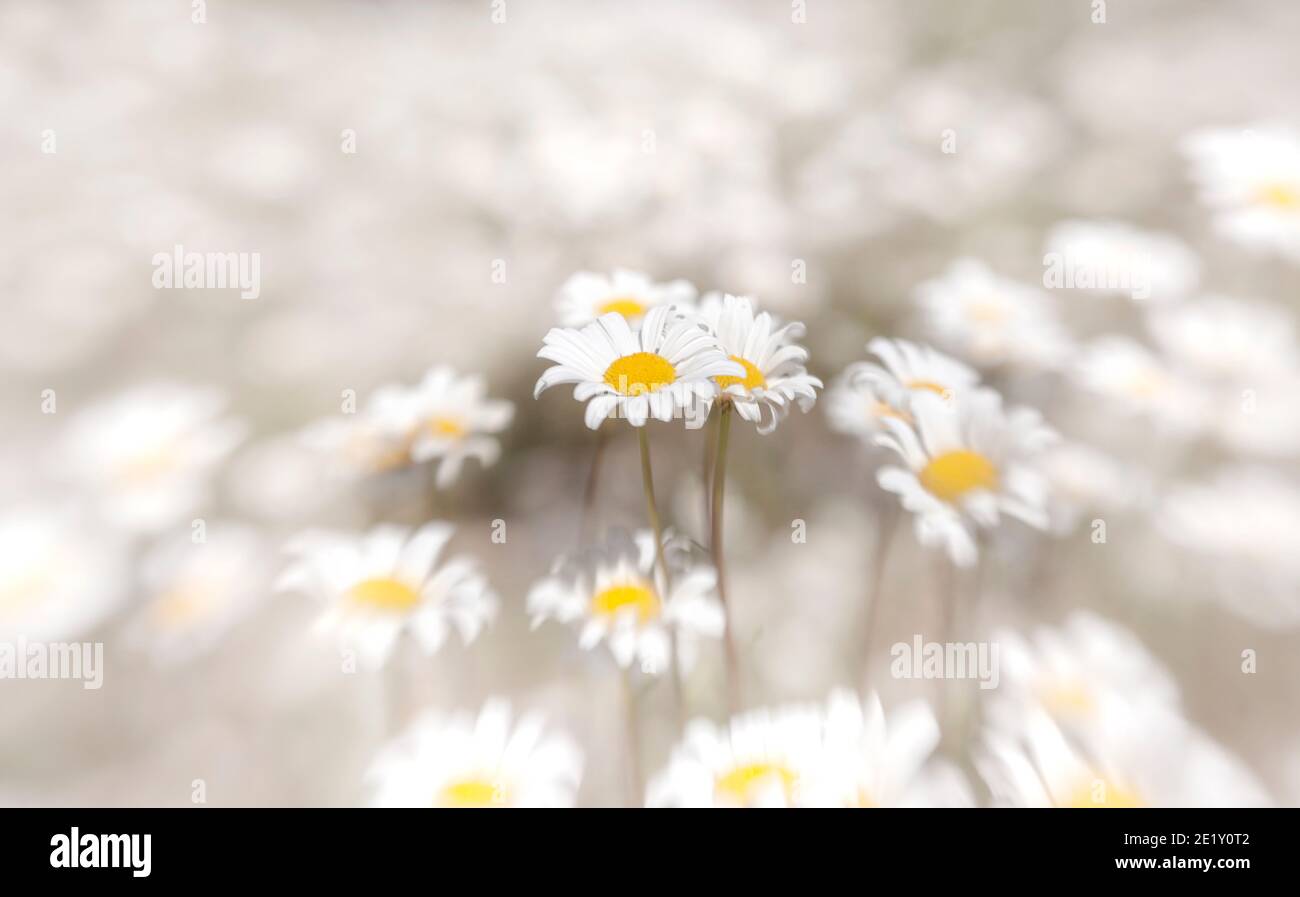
point(1081, 675)
point(586, 296)
point(61, 574)
point(446, 418)
point(1138, 383)
point(147, 454)
point(1114, 257)
point(908, 368)
point(616, 594)
point(760, 758)
point(195, 592)
point(967, 462)
point(457, 761)
point(991, 320)
point(1241, 534)
point(662, 371)
point(1250, 177)
point(775, 376)
point(387, 581)
point(1157, 762)
point(1227, 339)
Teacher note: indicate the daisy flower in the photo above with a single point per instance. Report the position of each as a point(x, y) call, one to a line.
point(774, 372)
point(908, 368)
point(462, 762)
point(445, 418)
point(878, 760)
point(1115, 257)
point(196, 592)
point(586, 296)
point(661, 371)
point(1081, 675)
point(60, 575)
point(616, 594)
point(1158, 761)
point(967, 463)
point(991, 320)
point(762, 758)
point(388, 581)
point(147, 454)
point(1226, 339)
point(1251, 179)
point(1137, 382)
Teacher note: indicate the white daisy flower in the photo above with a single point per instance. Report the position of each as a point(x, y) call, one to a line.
point(446, 417)
point(1139, 383)
point(762, 758)
point(1241, 532)
point(853, 408)
point(967, 462)
point(661, 371)
point(147, 454)
point(586, 296)
point(879, 760)
point(1228, 340)
point(991, 320)
point(1251, 179)
point(1081, 675)
point(909, 368)
point(616, 594)
point(1115, 257)
point(388, 581)
point(197, 591)
point(60, 575)
point(775, 376)
point(1158, 761)
point(458, 761)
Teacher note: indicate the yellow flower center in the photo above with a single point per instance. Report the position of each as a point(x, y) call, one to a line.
point(182, 605)
point(473, 792)
point(752, 380)
point(987, 311)
point(1068, 699)
point(1103, 794)
point(639, 373)
point(384, 593)
point(937, 388)
point(615, 599)
point(953, 474)
point(626, 306)
point(1281, 196)
point(747, 782)
point(148, 465)
point(447, 427)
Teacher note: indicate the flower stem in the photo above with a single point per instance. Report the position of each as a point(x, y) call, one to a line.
point(886, 524)
point(715, 546)
point(589, 491)
point(656, 525)
point(635, 786)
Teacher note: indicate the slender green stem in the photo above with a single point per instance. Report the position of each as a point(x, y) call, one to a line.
point(716, 547)
point(589, 491)
point(710, 448)
point(886, 524)
point(656, 525)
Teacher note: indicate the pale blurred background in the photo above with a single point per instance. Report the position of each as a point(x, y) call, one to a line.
point(719, 142)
